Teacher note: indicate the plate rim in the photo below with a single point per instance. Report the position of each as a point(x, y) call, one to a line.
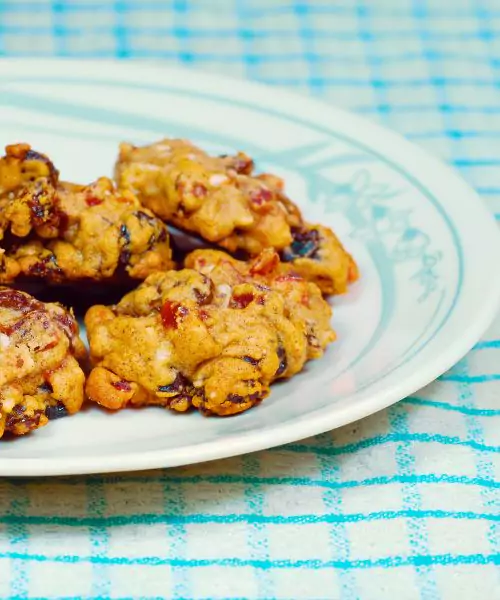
point(280, 433)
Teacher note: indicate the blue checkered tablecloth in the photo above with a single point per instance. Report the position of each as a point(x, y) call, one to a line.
point(404, 504)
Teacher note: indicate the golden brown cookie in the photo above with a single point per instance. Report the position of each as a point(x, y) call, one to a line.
point(224, 202)
point(317, 254)
point(77, 232)
point(216, 198)
point(214, 340)
point(303, 302)
point(27, 192)
point(40, 377)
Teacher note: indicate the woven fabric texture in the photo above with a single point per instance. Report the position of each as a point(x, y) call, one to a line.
point(404, 504)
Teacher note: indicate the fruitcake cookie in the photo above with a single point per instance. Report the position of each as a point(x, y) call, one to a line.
point(214, 340)
point(221, 200)
point(40, 377)
point(78, 232)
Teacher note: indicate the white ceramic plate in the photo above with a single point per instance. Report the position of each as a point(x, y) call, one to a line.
point(427, 249)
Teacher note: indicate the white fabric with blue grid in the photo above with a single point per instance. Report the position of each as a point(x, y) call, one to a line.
point(373, 510)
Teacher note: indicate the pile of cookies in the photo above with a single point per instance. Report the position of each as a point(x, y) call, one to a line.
point(209, 330)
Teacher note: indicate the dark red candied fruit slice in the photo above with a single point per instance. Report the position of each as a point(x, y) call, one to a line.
point(19, 301)
point(241, 300)
point(122, 386)
point(171, 313)
point(203, 314)
point(24, 323)
point(93, 201)
point(48, 346)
